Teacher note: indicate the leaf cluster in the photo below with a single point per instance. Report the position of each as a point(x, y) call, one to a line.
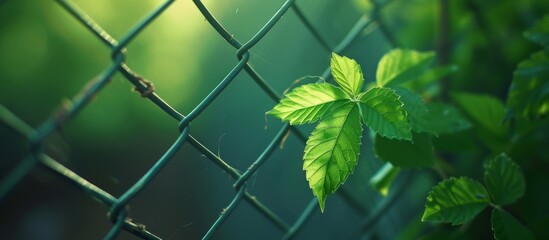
point(404, 124)
point(398, 116)
point(511, 127)
point(332, 150)
point(459, 200)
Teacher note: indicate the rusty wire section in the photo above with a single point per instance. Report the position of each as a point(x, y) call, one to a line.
point(117, 205)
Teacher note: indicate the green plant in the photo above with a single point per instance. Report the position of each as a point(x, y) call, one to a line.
point(458, 200)
point(405, 123)
point(397, 115)
point(501, 128)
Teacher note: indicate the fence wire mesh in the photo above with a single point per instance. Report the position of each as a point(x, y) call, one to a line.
point(117, 211)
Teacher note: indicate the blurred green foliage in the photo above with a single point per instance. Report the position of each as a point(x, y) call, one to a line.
point(46, 57)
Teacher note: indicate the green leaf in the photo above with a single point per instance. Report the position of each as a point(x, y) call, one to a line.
point(399, 66)
point(455, 200)
point(406, 154)
point(415, 108)
point(432, 75)
point(486, 112)
point(457, 142)
point(434, 118)
point(506, 227)
point(308, 103)
point(443, 119)
point(384, 177)
point(332, 150)
point(539, 33)
point(382, 111)
point(504, 180)
point(347, 74)
point(529, 90)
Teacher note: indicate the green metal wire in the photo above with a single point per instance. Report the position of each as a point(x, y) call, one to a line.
point(16, 175)
point(118, 213)
point(371, 220)
point(311, 28)
point(226, 212)
point(215, 93)
point(307, 213)
point(147, 178)
point(117, 227)
point(66, 112)
point(95, 192)
point(137, 28)
point(139, 83)
point(69, 176)
point(262, 158)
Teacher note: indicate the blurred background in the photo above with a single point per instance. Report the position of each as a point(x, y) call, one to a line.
point(47, 56)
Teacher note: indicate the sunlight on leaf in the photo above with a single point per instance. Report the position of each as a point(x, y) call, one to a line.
point(332, 151)
point(455, 200)
point(308, 103)
point(401, 65)
point(383, 112)
point(347, 73)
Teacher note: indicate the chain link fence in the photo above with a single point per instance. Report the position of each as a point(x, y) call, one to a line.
point(117, 206)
